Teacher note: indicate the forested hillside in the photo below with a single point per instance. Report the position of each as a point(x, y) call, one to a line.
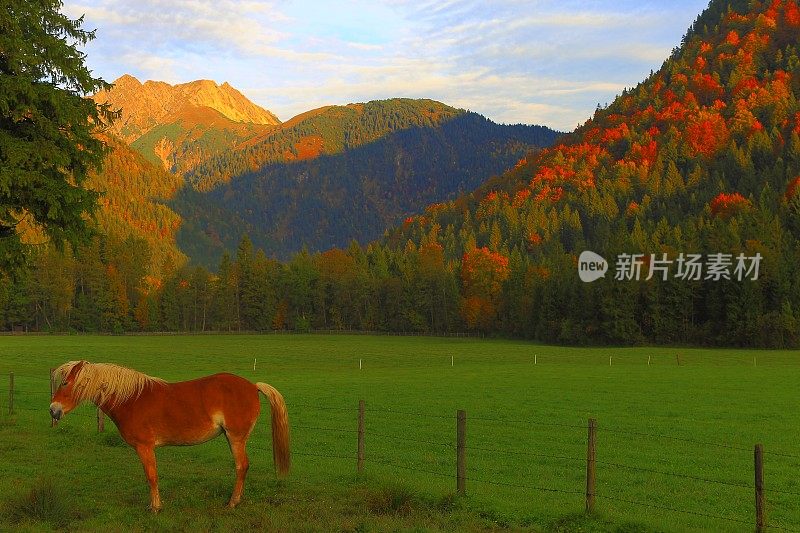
point(325, 131)
point(98, 286)
point(133, 204)
point(319, 180)
point(329, 200)
point(702, 158)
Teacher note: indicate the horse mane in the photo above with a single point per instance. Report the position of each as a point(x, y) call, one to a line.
point(105, 383)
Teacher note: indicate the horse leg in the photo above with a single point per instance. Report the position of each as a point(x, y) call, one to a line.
point(242, 464)
point(147, 455)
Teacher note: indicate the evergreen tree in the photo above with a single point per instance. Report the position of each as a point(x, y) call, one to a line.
point(47, 141)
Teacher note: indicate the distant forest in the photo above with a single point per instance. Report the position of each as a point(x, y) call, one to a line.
point(702, 157)
point(349, 192)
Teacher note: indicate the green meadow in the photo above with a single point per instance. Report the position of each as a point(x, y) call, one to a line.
point(674, 442)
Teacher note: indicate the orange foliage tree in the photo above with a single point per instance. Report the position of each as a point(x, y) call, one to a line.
point(707, 133)
point(482, 274)
point(793, 188)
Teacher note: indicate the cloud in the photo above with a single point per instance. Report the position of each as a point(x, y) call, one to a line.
point(542, 61)
point(155, 67)
point(239, 26)
point(364, 46)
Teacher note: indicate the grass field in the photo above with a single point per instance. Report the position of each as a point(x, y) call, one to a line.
point(679, 437)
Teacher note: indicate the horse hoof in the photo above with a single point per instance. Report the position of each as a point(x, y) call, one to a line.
point(155, 510)
point(232, 504)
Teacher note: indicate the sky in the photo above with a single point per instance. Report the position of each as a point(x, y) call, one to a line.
point(544, 62)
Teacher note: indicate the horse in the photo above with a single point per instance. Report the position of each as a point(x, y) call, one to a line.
point(149, 412)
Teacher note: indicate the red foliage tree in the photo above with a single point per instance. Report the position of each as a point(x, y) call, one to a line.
point(644, 154)
point(727, 204)
point(633, 209)
point(521, 197)
point(791, 14)
point(706, 133)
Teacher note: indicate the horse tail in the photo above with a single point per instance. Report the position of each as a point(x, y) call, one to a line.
point(280, 429)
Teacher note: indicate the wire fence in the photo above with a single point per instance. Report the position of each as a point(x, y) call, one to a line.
point(272, 332)
point(396, 431)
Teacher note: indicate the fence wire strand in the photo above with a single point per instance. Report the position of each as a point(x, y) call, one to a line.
point(671, 437)
point(520, 486)
point(334, 430)
point(777, 491)
point(325, 408)
point(527, 422)
point(30, 376)
point(781, 454)
point(531, 454)
point(327, 455)
point(385, 462)
point(676, 474)
point(673, 509)
point(408, 439)
point(782, 528)
point(408, 413)
point(735, 446)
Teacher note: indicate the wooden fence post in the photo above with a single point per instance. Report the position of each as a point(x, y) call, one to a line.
point(461, 452)
point(101, 421)
point(761, 512)
point(10, 393)
point(53, 421)
point(360, 461)
point(591, 457)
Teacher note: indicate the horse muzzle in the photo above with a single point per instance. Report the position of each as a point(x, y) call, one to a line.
point(56, 411)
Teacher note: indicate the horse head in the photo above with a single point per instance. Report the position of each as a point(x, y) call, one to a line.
point(67, 396)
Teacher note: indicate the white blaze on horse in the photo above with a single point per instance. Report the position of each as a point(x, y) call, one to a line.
point(150, 412)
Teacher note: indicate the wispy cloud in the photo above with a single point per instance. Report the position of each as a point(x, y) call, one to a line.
point(543, 61)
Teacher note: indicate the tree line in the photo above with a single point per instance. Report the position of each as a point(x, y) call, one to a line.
point(105, 287)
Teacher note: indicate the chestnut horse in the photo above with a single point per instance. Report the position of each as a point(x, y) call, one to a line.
point(150, 412)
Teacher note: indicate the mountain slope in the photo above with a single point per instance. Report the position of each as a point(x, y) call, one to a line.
point(325, 131)
point(134, 192)
point(702, 157)
point(212, 135)
point(179, 126)
point(329, 200)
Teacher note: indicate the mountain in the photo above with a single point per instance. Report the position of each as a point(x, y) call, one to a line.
point(180, 126)
point(246, 172)
point(702, 157)
point(345, 173)
point(328, 130)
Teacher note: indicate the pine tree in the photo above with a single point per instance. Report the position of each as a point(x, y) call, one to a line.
point(47, 141)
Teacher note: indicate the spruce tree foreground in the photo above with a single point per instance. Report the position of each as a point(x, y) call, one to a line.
point(47, 141)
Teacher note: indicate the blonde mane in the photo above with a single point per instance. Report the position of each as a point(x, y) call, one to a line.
point(105, 383)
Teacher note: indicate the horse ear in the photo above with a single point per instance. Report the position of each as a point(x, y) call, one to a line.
point(77, 368)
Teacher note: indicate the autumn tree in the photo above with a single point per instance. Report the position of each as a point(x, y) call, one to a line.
point(482, 273)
